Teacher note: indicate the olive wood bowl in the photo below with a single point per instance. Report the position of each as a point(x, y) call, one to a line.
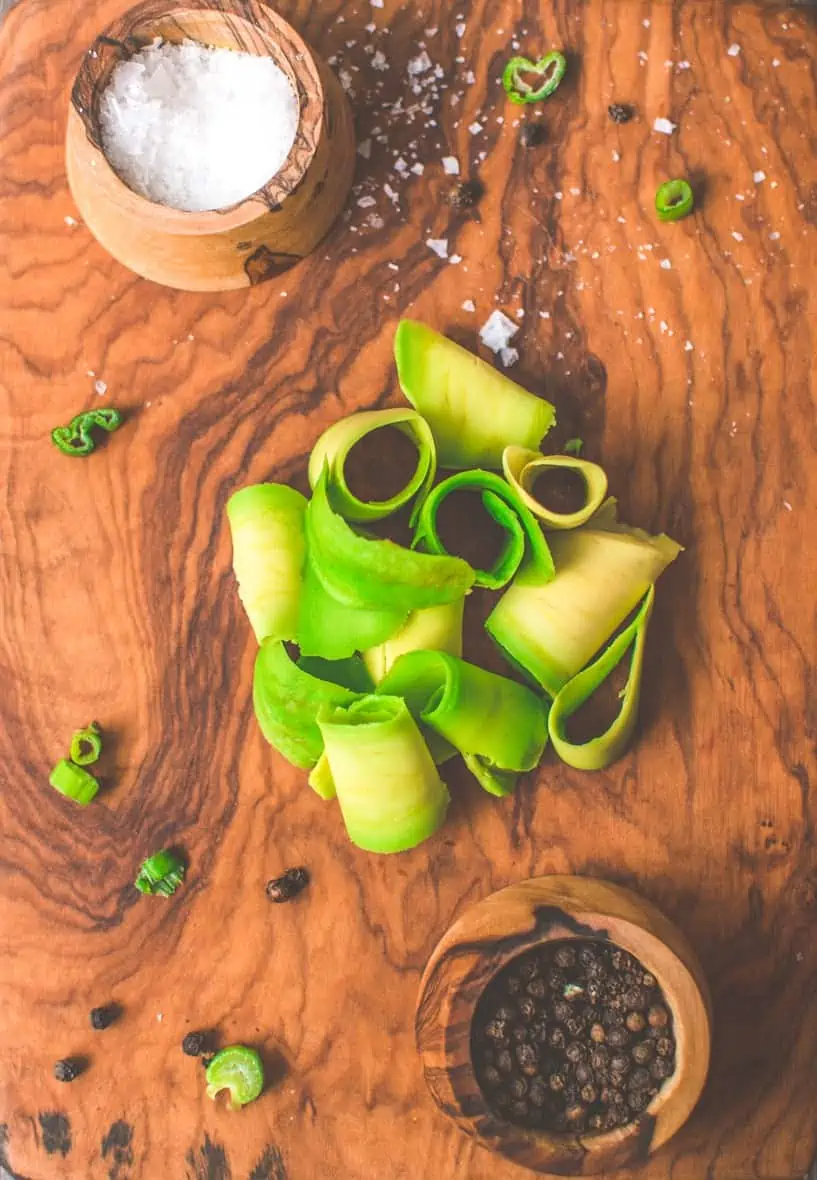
point(513, 921)
point(259, 237)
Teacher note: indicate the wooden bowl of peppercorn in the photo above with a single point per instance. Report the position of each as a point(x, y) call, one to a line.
point(564, 1023)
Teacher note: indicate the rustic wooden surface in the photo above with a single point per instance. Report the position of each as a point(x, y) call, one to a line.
point(118, 602)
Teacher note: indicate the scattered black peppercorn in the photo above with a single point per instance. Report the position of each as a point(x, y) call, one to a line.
point(532, 135)
point(195, 1043)
point(104, 1016)
point(466, 195)
point(657, 1017)
point(68, 1069)
point(620, 112)
point(577, 1052)
point(284, 888)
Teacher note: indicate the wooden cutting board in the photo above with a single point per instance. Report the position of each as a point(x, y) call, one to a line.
point(682, 354)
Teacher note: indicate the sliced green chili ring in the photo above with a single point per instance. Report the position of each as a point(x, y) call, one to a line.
point(551, 68)
point(76, 438)
point(73, 782)
point(161, 874)
point(287, 699)
point(238, 1070)
point(390, 794)
point(267, 526)
point(334, 445)
point(523, 467)
point(601, 751)
point(552, 629)
point(479, 713)
point(86, 745)
point(507, 508)
point(437, 628)
point(365, 572)
point(574, 446)
point(674, 200)
point(473, 410)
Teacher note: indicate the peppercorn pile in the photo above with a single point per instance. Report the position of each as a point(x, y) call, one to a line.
point(572, 1037)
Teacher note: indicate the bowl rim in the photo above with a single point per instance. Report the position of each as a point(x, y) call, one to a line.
point(127, 34)
point(451, 1077)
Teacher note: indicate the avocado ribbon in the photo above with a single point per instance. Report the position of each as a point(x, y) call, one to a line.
point(523, 467)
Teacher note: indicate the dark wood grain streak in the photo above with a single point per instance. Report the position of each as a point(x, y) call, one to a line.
point(117, 600)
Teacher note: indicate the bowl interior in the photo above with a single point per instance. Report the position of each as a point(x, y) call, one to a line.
point(251, 28)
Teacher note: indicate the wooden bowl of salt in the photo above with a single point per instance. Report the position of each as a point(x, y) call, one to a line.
point(555, 971)
point(183, 202)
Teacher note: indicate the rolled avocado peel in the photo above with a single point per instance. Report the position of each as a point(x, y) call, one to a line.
point(267, 526)
point(522, 468)
point(510, 512)
point(437, 628)
point(287, 699)
point(474, 412)
point(601, 751)
point(333, 447)
point(553, 629)
point(390, 793)
point(480, 714)
point(364, 572)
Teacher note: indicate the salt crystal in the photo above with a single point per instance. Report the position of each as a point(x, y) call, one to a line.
point(371, 27)
point(664, 126)
point(456, 259)
point(197, 128)
point(774, 237)
point(400, 166)
point(419, 64)
point(100, 387)
point(70, 221)
point(688, 346)
point(646, 24)
point(439, 246)
point(364, 149)
point(498, 331)
point(508, 356)
point(470, 78)
point(475, 128)
point(469, 305)
point(451, 166)
point(738, 237)
point(459, 28)
point(418, 169)
point(684, 65)
point(665, 264)
point(616, 157)
point(376, 3)
point(759, 176)
point(734, 49)
point(380, 61)
point(366, 202)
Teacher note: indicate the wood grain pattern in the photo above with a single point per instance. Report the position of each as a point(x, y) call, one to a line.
point(484, 940)
point(118, 601)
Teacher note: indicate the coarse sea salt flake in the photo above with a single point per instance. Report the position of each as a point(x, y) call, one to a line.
point(498, 331)
point(197, 128)
point(100, 387)
point(469, 305)
point(364, 149)
point(759, 176)
point(380, 61)
point(475, 128)
point(439, 246)
point(734, 49)
point(664, 126)
point(419, 64)
point(665, 264)
point(508, 356)
point(366, 202)
point(451, 166)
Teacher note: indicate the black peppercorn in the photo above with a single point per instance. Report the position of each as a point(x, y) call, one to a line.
point(642, 1053)
point(619, 1063)
point(506, 1012)
point(562, 1010)
point(638, 1100)
point(648, 979)
point(528, 1059)
point(491, 1076)
point(514, 986)
point(575, 1052)
point(556, 979)
point(600, 1058)
point(465, 195)
point(598, 1034)
point(619, 112)
point(639, 1079)
point(532, 135)
point(584, 1074)
point(104, 1016)
point(528, 970)
point(657, 1017)
point(527, 1008)
point(519, 1109)
point(575, 1113)
point(588, 956)
point(565, 957)
point(504, 1061)
point(539, 1032)
point(633, 998)
point(537, 1095)
point(537, 989)
point(520, 1033)
point(68, 1069)
point(588, 1093)
point(287, 886)
point(556, 1082)
point(664, 1047)
point(195, 1043)
point(557, 1038)
point(518, 1087)
point(596, 1122)
point(635, 1022)
point(618, 1037)
point(575, 1026)
point(661, 1068)
point(497, 1030)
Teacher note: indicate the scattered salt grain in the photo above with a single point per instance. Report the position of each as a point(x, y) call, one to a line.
point(364, 149)
point(759, 176)
point(451, 166)
point(787, 506)
point(498, 331)
point(616, 157)
point(469, 305)
point(366, 202)
point(456, 259)
point(734, 49)
point(475, 128)
point(459, 28)
point(664, 126)
point(419, 64)
point(380, 61)
point(100, 387)
point(684, 65)
point(418, 169)
point(646, 24)
point(508, 356)
point(774, 237)
point(688, 346)
point(738, 237)
point(70, 221)
point(376, 3)
point(665, 264)
point(197, 128)
point(439, 246)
